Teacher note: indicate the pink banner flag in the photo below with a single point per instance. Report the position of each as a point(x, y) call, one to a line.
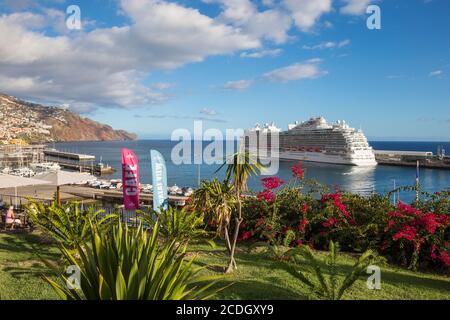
point(130, 180)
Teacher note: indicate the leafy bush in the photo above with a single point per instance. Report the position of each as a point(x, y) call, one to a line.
point(317, 216)
point(67, 224)
point(324, 282)
point(178, 225)
point(132, 264)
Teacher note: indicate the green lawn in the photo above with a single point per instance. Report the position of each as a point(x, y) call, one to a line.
point(258, 277)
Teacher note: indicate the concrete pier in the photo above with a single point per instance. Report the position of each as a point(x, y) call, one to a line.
point(410, 158)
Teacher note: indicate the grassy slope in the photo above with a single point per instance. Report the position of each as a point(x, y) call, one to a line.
point(21, 267)
point(258, 277)
point(261, 277)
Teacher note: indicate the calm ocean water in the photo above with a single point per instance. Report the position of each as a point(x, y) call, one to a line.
point(357, 179)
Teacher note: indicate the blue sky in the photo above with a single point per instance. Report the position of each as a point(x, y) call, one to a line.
point(151, 66)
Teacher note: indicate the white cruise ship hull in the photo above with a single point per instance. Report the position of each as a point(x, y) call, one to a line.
point(357, 160)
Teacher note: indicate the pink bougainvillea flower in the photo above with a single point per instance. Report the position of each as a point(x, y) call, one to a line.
point(429, 222)
point(409, 233)
point(407, 209)
point(384, 246)
point(298, 171)
point(390, 224)
point(330, 222)
point(305, 208)
point(444, 257)
point(267, 196)
point(337, 202)
point(246, 235)
point(302, 225)
point(433, 252)
point(271, 183)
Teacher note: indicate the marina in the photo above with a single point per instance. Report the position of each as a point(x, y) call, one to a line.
point(393, 165)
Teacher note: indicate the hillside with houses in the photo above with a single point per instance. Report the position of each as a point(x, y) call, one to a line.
point(22, 121)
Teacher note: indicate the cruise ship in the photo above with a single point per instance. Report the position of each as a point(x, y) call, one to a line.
point(318, 141)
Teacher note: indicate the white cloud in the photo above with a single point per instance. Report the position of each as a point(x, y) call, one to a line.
point(436, 73)
point(344, 43)
point(162, 85)
point(238, 85)
point(322, 45)
point(328, 45)
point(208, 112)
point(355, 7)
point(262, 53)
point(106, 66)
point(307, 12)
point(305, 70)
point(394, 76)
point(272, 24)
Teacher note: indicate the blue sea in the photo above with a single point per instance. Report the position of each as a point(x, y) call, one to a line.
point(357, 179)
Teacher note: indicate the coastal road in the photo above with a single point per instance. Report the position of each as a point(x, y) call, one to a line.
point(73, 193)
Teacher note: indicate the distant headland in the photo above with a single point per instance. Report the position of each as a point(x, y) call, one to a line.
point(26, 122)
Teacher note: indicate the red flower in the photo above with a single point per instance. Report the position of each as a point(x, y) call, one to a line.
point(444, 220)
point(330, 222)
point(395, 214)
point(428, 221)
point(390, 224)
point(285, 229)
point(305, 208)
point(408, 233)
point(433, 252)
point(384, 245)
point(260, 222)
point(302, 225)
point(407, 209)
point(299, 243)
point(271, 183)
point(267, 196)
point(337, 202)
point(246, 235)
point(445, 258)
point(298, 171)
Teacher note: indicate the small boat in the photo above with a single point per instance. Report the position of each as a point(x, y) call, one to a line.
point(146, 187)
point(45, 166)
point(23, 172)
point(101, 168)
point(6, 170)
point(173, 190)
point(187, 191)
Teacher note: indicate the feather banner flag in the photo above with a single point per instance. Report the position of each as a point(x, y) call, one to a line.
point(130, 180)
point(159, 179)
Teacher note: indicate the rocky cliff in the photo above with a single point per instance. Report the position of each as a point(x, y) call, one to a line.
point(37, 123)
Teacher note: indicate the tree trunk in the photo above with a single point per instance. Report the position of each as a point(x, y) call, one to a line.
point(232, 264)
point(227, 240)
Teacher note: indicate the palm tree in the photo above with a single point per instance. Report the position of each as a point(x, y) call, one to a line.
point(240, 167)
point(217, 198)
